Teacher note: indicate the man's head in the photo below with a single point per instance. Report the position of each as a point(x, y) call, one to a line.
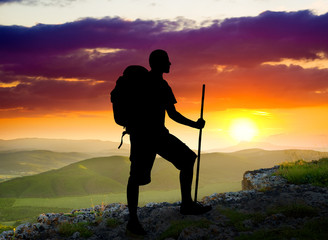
point(159, 61)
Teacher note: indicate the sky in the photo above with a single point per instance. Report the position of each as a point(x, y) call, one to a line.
point(264, 63)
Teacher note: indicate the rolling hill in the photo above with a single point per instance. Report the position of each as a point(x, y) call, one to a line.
point(109, 174)
point(94, 147)
point(33, 162)
point(244, 145)
point(92, 176)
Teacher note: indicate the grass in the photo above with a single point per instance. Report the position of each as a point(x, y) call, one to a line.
point(12, 215)
point(5, 228)
point(19, 215)
point(28, 209)
point(8, 177)
point(313, 230)
point(21, 210)
point(112, 223)
point(6, 202)
point(68, 229)
point(301, 172)
point(176, 227)
point(236, 218)
point(76, 202)
point(294, 210)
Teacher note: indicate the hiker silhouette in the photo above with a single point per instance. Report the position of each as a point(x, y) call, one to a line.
point(150, 98)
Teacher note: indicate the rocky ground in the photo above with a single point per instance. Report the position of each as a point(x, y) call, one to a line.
point(270, 209)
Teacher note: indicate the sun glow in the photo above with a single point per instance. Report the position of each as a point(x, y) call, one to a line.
point(243, 129)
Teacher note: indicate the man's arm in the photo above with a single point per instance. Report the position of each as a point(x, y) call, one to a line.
point(176, 116)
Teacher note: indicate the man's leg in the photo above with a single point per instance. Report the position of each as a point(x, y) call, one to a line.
point(185, 185)
point(141, 163)
point(183, 158)
point(188, 207)
point(132, 193)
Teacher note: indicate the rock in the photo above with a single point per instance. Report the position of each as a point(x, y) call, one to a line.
point(248, 223)
point(7, 235)
point(275, 219)
point(76, 235)
point(262, 179)
point(192, 233)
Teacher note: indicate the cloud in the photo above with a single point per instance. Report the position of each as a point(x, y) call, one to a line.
point(9, 1)
point(54, 95)
point(229, 55)
point(60, 3)
point(269, 87)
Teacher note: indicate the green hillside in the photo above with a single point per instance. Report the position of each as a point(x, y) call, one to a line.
point(32, 162)
point(109, 174)
point(103, 180)
point(95, 147)
point(90, 176)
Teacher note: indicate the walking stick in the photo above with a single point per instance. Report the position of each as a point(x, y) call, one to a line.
point(199, 144)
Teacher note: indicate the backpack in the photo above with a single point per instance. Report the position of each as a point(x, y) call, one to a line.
point(124, 94)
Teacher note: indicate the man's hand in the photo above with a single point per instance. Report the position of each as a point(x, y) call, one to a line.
point(200, 123)
point(176, 116)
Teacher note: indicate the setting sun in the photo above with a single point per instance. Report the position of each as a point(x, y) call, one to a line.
point(243, 129)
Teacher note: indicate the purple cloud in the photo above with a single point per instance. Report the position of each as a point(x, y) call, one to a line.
point(75, 50)
point(9, 1)
point(61, 3)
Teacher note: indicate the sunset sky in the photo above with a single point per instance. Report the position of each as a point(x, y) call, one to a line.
point(264, 63)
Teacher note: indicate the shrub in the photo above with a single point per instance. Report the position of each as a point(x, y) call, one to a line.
point(176, 227)
point(5, 228)
point(112, 223)
point(294, 210)
point(301, 172)
point(314, 230)
point(68, 229)
point(236, 218)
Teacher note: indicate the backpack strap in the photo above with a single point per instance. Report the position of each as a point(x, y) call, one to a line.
point(123, 134)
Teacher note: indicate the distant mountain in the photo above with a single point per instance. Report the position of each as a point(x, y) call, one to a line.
point(249, 145)
point(33, 162)
point(313, 141)
point(96, 147)
point(109, 174)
